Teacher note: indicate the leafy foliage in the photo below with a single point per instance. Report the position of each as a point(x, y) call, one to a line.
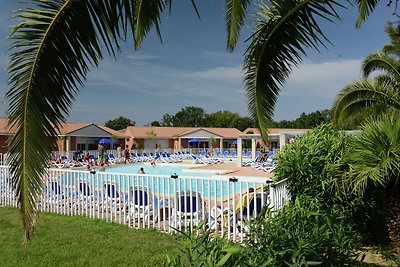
point(313, 162)
point(381, 92)
point(53, 45)
point(306, 121)
point(316, 167)
point(197, 117)
point(119, 123)
point(284, 30)
point(204, 250)
point(375, 162)
point(303, 233)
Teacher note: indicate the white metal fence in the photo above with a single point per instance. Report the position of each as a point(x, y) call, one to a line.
point(158, 201)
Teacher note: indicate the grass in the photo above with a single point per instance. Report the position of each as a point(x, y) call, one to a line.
point(78, 241)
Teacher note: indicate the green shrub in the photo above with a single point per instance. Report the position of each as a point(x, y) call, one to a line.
point(204, 250)
point(315, 167)
point(313, 161)
point(303, 234)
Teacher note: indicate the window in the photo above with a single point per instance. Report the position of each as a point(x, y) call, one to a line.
point(81, 147)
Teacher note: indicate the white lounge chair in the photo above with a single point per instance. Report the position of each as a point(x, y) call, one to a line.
point(141, 204)
point(187, 211)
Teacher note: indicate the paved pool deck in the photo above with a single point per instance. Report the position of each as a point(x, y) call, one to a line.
point(230, 168)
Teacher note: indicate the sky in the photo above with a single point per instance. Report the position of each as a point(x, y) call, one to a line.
point(192, 67)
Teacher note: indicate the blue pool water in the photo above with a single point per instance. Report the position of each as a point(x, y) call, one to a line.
point(207, 184)
point(161, 169)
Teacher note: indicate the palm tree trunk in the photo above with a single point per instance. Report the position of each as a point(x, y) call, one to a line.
point(393, 219)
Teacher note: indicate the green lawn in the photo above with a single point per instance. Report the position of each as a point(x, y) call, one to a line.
point(78, 241)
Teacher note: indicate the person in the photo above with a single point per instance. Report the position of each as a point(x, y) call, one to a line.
point(101, 150)
point(126, 154)
point(245, 197)
point(86, 158)
point(153, 163)
point(102, 168)
point(119, 154)
point(141, 171)
point(77, 155)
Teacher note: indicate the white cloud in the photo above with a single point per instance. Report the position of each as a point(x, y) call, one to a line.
point(322, 79)
point(218, 73)
point(141, 56)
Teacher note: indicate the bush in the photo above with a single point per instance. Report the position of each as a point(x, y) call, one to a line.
point(313, 162)
point(303, 234)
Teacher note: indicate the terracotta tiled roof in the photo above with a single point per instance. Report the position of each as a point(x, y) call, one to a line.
point(113, 132)
point(69, 127)
point(66, 128)
point(228, 133)
point(4, 130)
point(144, 132)
point(276, 130)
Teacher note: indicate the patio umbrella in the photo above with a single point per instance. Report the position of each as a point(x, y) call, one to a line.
point(106, 141)
point(235, 142)
point(195, 140)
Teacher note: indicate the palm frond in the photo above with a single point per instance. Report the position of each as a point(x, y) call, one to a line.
point(146, 13)
point(375, 153)
point(284, 30)
point(365, 93)
point(235, 11)
point(380, 61)
point(365, 8)
point(53, 46)
point(393, 47)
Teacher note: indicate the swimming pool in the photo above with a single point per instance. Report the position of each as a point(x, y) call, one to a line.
point(206, 182)
point(161, 169)
point(164, 179)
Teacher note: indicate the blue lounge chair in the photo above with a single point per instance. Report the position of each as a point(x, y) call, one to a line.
point(188, 210)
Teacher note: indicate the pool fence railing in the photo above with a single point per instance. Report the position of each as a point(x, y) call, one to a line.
point(165, 202)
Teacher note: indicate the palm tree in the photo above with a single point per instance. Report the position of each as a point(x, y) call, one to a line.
point(381, 91)
point(375, 159)
point(285, 28)
point(56, 42)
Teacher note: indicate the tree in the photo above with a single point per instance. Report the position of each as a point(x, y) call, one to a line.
point(53, 47)
point(155, 123)
point(167, 120)
point(119, 123)
point(375, 160)
point(380, 92)
point(242, 123)
point(189, 117)
point(221, 119)
point(284, 31)
point(306, 121)
point(313, 119)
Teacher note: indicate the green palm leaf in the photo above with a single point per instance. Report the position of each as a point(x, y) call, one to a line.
point(375, 154)
point(284, 30)
point(360, 94)
point(365, 8)
point(381, 62)
point(393, 47)
point(53, 46)
point(235, 14)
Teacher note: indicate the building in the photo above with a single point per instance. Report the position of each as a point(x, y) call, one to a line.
point(72, 136)
point(277, 137)
point(177, 138)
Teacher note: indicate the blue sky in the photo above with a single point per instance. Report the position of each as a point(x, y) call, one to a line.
point(193, 68)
